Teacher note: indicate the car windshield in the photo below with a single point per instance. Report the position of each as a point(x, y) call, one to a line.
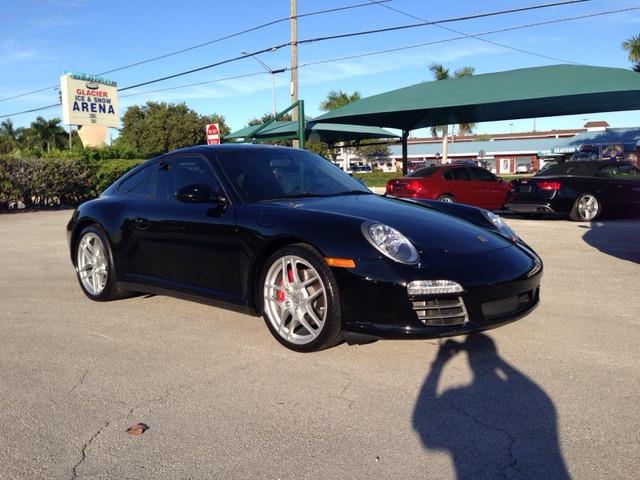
point(270, 174)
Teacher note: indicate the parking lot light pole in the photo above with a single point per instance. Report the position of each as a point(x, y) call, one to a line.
point(272, 72)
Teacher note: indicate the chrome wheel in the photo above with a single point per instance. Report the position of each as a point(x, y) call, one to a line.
point(588, 207)
point(91, 264)
point(295, 300)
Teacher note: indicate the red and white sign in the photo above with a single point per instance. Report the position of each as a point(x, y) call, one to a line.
point(213, 134)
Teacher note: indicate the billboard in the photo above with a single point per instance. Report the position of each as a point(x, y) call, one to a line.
point(88, 100)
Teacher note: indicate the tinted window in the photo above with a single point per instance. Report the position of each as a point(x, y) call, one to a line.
point(622, 170)
point(177, 173)
point(459, 174)
point(555, 170)
point(138, 184)
point(483, 175)
point(264, 174)
point(424, 172)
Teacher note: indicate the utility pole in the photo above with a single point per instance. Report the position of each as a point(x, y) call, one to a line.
point(293, 86)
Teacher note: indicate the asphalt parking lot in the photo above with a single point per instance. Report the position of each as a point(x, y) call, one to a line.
point(554, 395)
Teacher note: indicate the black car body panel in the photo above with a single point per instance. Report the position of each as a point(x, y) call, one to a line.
point(215, 252)
point(618, 194)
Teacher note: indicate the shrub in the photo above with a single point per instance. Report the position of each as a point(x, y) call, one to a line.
point(43, 182)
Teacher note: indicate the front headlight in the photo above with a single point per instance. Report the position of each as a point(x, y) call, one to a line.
point(502, 227)
point(390, 243)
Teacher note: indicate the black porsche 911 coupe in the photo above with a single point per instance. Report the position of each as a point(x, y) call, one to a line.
point(285, 234)
point(582, 191)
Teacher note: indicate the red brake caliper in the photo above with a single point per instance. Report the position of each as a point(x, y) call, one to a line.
point(280, 292)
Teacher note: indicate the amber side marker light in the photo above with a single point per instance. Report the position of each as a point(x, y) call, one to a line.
point(340, 262)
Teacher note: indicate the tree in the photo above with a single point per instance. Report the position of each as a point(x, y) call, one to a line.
point(632, 47)
point(442, 73)
point(266, 118)
point(159, 127)
point(336, 99)
point(46, 133)
point(8, 136)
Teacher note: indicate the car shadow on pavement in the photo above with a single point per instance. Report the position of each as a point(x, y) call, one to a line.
point(502, 425)
point(618, 238)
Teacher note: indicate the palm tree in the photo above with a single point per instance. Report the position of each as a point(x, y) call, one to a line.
point(48, 132)
point(632, 46)
point(442, 73)
point(336, 99)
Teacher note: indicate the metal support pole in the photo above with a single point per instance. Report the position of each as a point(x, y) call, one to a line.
point(273, 94)
point(405, 153)
point(301, 123)
point(293, 86)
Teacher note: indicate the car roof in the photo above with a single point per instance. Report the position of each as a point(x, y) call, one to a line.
point(579, 168)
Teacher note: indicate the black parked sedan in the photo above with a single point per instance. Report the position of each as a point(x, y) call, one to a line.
point(582, 191)
point(283, 233)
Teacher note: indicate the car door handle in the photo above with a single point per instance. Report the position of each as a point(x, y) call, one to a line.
point(142, 223)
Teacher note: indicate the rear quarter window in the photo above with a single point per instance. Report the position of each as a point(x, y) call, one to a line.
point(138, 184)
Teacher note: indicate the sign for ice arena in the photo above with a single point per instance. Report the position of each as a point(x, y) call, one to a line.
point(88, 100)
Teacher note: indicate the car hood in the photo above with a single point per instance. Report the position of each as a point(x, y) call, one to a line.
point(425, 227)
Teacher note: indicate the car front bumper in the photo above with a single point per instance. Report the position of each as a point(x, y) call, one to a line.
point(497, 290)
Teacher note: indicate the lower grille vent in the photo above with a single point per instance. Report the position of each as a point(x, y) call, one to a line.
point(441, 312)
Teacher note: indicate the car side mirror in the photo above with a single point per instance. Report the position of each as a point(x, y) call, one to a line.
point(197, 193)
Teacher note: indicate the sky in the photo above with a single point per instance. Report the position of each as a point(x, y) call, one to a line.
point(41, 39)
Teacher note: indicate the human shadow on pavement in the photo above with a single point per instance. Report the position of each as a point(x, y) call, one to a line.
point(502, 425)
point(618, 238)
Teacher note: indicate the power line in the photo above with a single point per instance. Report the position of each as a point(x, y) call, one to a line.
point(217, 80)
point(354, 34)
point(473, 35)
point(491, 42)
point(210, 42)
point(396, 49)
point(447, 20)
point(546, 22)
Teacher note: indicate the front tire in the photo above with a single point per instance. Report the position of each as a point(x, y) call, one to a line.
point(94, 265)
point(301, 302)
point(586, 208)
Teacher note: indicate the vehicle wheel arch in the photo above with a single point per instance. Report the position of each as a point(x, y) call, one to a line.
point(254, 289)
point(77, 229)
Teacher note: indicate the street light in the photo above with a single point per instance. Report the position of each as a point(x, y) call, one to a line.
point(273, 79)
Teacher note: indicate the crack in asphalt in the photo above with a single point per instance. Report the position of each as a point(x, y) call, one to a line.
point(514, 461)
point(83, 453)
point(79, 382)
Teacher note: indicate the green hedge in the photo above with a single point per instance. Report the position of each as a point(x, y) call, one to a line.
point(377, 179)
point(49, 182)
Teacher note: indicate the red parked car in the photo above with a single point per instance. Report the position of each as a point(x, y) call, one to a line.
point(453, 183)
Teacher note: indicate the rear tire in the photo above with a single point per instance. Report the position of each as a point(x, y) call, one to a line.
point(586, 208)
point(300, 299)
point(446, 199)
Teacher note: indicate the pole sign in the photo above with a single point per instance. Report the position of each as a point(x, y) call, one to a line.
point(213, 134)
point(88, 100)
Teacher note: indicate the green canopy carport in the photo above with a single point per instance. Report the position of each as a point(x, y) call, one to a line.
point(523, 93)
point(326, 132)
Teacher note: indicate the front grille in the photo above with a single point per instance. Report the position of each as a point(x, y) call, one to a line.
point(441, 312)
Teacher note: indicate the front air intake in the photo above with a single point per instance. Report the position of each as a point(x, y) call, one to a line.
point(441, 312)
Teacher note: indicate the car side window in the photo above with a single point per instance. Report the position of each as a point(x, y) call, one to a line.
point(139, 184)
point(483, 175)
point(617, 171)
point(177, 173)
point(460, 174)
